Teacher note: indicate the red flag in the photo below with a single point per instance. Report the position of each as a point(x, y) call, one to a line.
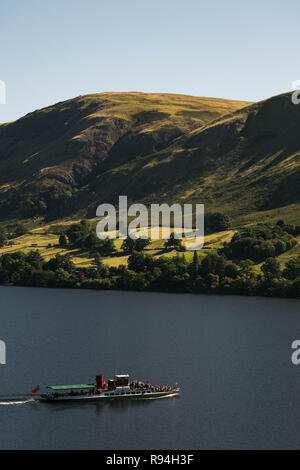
point(36, 389)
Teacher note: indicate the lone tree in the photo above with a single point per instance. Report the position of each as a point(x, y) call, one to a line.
point(130, 245)
point(173, 242)
point(63, 241)
point(194, 266)
point(100, 266)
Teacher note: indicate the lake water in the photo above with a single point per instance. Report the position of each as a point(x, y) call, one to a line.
point(230, 355)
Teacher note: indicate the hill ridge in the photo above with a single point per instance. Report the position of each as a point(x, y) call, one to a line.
point(238, 157)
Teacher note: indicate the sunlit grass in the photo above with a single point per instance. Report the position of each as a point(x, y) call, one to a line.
point(293, 253)
point(48, 246)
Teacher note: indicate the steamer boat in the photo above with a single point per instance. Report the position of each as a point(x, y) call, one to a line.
point(120, 387)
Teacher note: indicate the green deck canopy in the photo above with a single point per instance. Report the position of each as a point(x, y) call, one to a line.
point(71, 387)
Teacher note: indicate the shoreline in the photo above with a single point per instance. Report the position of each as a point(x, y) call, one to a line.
point(193, 294)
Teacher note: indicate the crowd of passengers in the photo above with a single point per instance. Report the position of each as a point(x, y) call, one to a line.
point(135, 385)
point(142, 386)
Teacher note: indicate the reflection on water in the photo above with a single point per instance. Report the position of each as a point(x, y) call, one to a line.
point(116, 404)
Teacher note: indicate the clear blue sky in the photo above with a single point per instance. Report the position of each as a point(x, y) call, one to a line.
point(55, 50)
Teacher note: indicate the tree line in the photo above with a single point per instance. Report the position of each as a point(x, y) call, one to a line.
point(231, 270)
point(212, 274)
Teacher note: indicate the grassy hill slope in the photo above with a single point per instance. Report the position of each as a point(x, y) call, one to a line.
point(243, 163)
point(238, 158)
point(49, 155)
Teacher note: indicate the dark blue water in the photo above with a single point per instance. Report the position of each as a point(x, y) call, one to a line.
point(231, 356)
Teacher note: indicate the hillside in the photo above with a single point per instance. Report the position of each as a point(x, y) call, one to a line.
point(50, 160)
point(247, 162)
point(238, 158)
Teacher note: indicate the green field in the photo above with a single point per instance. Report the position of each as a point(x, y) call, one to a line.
point(293, 253)
point(44, 240)
point(47, 242)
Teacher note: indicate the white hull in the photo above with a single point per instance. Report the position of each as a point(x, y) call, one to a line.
point(111, 396)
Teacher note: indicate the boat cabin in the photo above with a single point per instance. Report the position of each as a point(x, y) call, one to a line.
point(119, 382)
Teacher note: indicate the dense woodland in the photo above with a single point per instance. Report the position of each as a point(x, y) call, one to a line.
point(232, 270)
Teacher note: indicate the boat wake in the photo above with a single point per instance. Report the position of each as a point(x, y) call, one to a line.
point(165, 396)
point(9, 401)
